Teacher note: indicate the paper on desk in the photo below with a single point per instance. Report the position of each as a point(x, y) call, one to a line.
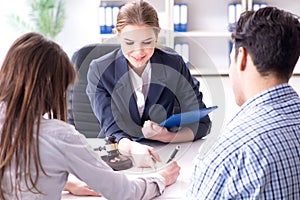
point(187, 117)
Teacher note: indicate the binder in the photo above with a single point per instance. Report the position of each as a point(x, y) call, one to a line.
point(238, 12)
point(177, 48)
point(258, 5)
point(255, 6)
point(176, 17)
point(183, 50)
point(180, 17)
point(101, 15)
point(107, 18)
point(115, 11)
point(234, 12)
point(183, 17)
point(231, 13)
point(263, 5)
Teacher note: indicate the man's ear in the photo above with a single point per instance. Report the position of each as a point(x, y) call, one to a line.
point(242, 56)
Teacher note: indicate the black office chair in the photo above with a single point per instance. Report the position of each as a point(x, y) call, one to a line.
point(80, 113)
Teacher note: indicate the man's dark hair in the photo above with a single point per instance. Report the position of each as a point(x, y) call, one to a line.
point(272, 38)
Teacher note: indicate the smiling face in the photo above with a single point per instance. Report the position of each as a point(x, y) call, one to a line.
point(138, 43)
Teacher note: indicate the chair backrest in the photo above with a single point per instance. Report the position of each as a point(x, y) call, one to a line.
point(80, 113)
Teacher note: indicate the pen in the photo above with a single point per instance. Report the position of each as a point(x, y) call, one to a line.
point(172, 156)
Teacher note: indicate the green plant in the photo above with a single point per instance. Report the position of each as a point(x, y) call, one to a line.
point(46, 17)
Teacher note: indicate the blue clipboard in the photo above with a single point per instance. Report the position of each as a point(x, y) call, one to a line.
point(187, 117)
point(184, 118)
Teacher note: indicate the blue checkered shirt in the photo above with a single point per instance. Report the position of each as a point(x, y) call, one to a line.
point(258, 154)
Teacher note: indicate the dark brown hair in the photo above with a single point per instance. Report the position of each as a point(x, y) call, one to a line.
point(272, 38)
point(34, 79)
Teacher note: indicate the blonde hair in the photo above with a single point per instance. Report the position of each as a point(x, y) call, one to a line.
point(137, 13)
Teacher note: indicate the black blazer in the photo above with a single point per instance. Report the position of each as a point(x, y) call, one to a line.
point(114, 103)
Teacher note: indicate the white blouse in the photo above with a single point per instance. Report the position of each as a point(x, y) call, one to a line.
point(140, 86)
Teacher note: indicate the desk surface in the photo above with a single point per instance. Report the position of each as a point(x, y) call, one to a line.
point(184, 158)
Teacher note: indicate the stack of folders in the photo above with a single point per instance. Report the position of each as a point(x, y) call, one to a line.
point(107, 18)
point(234, 12)
point(182, 49)
point(180, 17)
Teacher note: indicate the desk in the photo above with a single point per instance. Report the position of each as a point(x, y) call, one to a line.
point(184, 158)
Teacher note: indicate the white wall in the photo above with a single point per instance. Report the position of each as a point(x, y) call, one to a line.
point(81, 26)
point(7, 33)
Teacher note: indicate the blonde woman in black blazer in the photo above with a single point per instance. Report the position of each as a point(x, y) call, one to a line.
point(134, 88)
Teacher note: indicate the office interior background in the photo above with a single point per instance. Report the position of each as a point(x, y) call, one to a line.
point(207, 37)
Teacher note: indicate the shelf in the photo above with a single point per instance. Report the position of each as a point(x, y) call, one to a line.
point(112, 38)
point(297, 68)
point(219, 72)
point(208, 38)
point(225, 34)
point(208, 71)
point(224, 71)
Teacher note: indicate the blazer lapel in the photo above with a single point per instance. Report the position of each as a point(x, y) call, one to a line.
point(124, 94)
point(123, 91)
point(157, 84)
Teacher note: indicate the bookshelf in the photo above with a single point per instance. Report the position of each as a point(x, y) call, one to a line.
point(163, 9)
point(207, 34)
point(208, 39)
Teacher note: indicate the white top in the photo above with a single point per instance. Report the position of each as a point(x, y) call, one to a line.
point(140, 86)
point(63, 150)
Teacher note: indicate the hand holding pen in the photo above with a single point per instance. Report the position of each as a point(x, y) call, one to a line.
point(142, 155)
point(172, 156)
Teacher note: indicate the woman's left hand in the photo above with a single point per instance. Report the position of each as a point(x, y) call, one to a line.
point(80, 188)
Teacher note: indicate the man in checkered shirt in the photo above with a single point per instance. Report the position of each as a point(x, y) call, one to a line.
point(258, 154)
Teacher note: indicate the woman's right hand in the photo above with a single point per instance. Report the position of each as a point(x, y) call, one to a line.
point(143, 155)
point(170, 172)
